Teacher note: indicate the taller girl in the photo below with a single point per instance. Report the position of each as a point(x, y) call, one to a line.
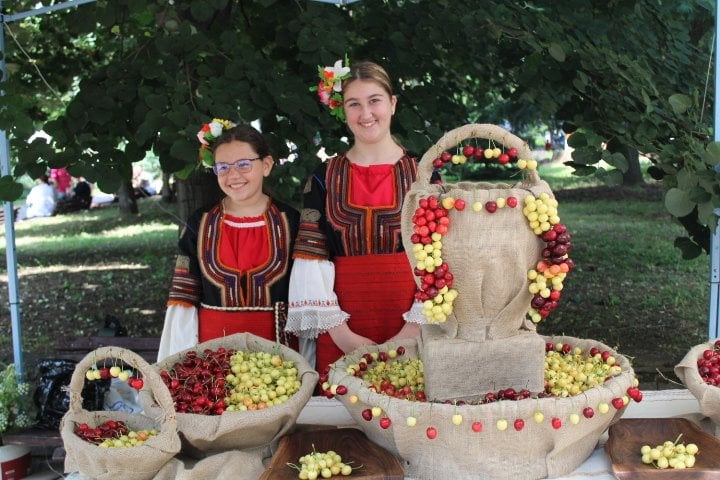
point(351, 283)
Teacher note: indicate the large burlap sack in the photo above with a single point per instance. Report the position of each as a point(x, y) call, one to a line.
point(231, 465)
point(461, 369)
point(708, 396)
point(239, 430)
point(139, 462)
point(489, 254)
point(536, 451)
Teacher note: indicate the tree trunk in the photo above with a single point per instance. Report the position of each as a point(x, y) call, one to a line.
point(167, 192)
point(199, 190)
point(633, 176)
point(126, 200)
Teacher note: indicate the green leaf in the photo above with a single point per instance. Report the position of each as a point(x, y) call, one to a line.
point(699, 195)
point(186, 171)
point(577, 140)
point(686, 179)
point(184, 150)
point(680, 103)
point(109, 181)
point(712, 154)
point(619, 161)
point(678, 203)
point(10, 190)
point(612, 177)
point(706, 213)
point(557, 52)
point(586, 156)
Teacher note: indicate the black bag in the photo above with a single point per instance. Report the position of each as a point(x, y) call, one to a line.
point(52, 397)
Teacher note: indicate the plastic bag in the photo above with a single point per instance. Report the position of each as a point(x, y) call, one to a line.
point(52, 398)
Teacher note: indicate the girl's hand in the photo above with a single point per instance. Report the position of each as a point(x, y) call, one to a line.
point(347, 340)
point(409, 330)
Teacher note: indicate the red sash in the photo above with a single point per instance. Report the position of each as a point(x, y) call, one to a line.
point(376, 290)
point(216, 323)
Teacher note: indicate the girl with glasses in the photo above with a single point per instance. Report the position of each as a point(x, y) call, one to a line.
point(232, 271)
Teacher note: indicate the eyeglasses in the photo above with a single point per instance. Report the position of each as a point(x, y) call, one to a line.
point(244, 165)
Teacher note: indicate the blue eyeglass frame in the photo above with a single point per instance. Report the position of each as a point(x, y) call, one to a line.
point(244, 165)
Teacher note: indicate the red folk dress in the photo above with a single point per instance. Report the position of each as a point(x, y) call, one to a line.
point(349, 249)
point(231, 276)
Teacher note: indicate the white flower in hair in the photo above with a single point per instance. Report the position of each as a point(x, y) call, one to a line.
point(338, 72)
point(216, 128)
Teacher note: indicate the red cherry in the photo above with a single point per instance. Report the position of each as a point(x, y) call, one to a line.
point(400, 350)
point(385, 423)
point(479, 153)
point(341, 390)
point(476, 427)
point(618, 403)
point(588, 412)
point(556, 423)
point(431, 433)
point(519, 424)
point(491, 207)
point(367, 414)
point(460, 204)
point(512, 152)
point(503, 159)
point(437, 163)
point(511, 202)
point(468, 151)
point(446, 157)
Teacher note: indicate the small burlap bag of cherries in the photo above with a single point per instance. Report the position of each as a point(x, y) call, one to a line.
point(237, 392)
point(105, 445)
point(699, 371)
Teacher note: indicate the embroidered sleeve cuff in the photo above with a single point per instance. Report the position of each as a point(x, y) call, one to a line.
point(415, 314)
point(312, 303)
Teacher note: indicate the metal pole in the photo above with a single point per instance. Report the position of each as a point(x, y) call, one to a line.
point(13, 297)
point(714, 318)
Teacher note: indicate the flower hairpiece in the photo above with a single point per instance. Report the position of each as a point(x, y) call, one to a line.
point(207, 135)
point(329, 88)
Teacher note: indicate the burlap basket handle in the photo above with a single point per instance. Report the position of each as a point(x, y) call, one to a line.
point(474, 130)
point(151, 378)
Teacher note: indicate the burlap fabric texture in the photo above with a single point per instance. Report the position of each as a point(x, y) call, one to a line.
point(240, 430)
point(708, 396)
point(537, 451)
point(488, 339)
point(489, 254)
point(230, 465)
point(139, 462)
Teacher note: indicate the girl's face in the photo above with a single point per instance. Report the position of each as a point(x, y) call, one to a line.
point(244, 188)
point(368, 110)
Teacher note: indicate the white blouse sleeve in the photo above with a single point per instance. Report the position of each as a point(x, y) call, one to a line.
point(312, 303)
point(180, 331)
point(415, 314)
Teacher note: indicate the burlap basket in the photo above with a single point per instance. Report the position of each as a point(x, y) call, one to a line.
point(489, 254)
point(139, 462)
point(240, 430)
point(233, 464)
point(708, 396)
point(488, 335)
point(536, 451)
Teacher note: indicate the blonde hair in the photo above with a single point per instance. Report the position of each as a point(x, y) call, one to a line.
point(367, 70)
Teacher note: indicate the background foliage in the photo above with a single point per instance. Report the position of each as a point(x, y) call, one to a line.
point(112, 80)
